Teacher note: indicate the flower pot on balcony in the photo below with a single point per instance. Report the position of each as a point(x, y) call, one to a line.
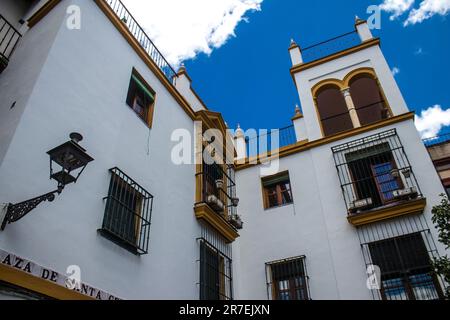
point(406, 173)
point(395, 173)
point(215, 203)
point(235, 202)
point(219, 183)
point(236, 222)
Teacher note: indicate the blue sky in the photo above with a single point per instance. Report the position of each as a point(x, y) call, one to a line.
point(248, 78)
point(236, 51)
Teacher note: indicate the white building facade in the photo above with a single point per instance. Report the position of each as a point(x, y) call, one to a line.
point(354, 190)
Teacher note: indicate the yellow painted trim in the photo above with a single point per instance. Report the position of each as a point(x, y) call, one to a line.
point(42, 12)
point(409, 208)
point(307, 145)
point(41, 286)
point(120, 26)
point(327, 82)
point(362, 46)
point(297, 116)
point(204, 212)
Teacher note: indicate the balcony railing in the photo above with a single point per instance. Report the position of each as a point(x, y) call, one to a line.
point(375, 173)
point(262, 143)
point(9, 37)
point(141, 36)
point(219, 191)
point(438, 140)
point(331, 46)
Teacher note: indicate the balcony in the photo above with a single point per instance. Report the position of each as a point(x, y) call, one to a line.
point(377, 181)
point(330, 47)
point(121, 12)
point(9, 37)
point(216, 199)
point(266, 142)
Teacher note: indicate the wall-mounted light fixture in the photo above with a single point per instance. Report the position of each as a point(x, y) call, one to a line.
point(72, 159)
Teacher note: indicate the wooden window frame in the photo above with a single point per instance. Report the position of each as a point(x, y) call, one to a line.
point(149, 110)
point(278, 191)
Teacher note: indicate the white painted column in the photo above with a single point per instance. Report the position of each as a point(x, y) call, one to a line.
point(351, 108)
point(296, 54)
point(240, 144)
point(363, 29)
point(299, 125)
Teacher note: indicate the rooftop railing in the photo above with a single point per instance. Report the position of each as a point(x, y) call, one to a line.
point(440, 139)
point(141, 36)
point(263, 143)
point(331, 46)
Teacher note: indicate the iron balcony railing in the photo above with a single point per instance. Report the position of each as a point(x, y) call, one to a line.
point(438, 140)
point(375, 172)
point(141, 36)
point(219, 191)
point(127, 214)
point(373, 112)
point(9, 37)
point(258, 144)
point(331, 46)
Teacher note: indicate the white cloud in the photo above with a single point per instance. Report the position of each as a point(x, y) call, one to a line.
point(431, 121)
point(182, 29)
point(395, 71)
point(427, 9)
point(396, 7)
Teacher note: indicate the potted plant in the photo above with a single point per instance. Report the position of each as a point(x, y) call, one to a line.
point(395, 173)
point(236, 221)
point(124, 20)
point(406, 173)
point(219, 183)
point(235, 202)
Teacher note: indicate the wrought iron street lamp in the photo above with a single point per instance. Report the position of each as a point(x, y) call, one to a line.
point(72, 160)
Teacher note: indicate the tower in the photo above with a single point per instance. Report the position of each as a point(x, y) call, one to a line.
point(344, 83)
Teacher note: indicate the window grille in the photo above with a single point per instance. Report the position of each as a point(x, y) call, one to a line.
point(128, 213)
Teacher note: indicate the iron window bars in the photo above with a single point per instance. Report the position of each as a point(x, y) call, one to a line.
point(375, 172)
point(288, 279)
point(216, 281)
point(403, 249)
point(128, 213)
point(9, 37)
point(258, 144)
point(219, 189)
point(141, 36)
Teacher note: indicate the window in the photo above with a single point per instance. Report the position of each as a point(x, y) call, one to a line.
point(287, 279)
point(406, 271)
point(368, 99)
point(127, 213)
point(375, 172)
point(333, 111)
point(277, 190)
point(215, 273)
point(141, 98)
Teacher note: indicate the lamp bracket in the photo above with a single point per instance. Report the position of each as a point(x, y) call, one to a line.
point(15, 212)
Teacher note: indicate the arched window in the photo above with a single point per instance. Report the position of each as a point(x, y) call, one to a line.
point(368, 100)
point(333, 111)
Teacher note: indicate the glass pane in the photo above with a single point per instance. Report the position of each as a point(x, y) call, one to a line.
point(394, 289)
point(386, 182)
point(423, 287)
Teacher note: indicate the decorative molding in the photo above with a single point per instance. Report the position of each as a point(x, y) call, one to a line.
point(121, 27)
point(409, 208)
point(307, 145)
point(204, 212)
point(308, 65)
point(42, 12)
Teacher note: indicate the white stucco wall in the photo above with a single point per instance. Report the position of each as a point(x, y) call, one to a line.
point(82, 87)
point(337, 69)
point(316, 224)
